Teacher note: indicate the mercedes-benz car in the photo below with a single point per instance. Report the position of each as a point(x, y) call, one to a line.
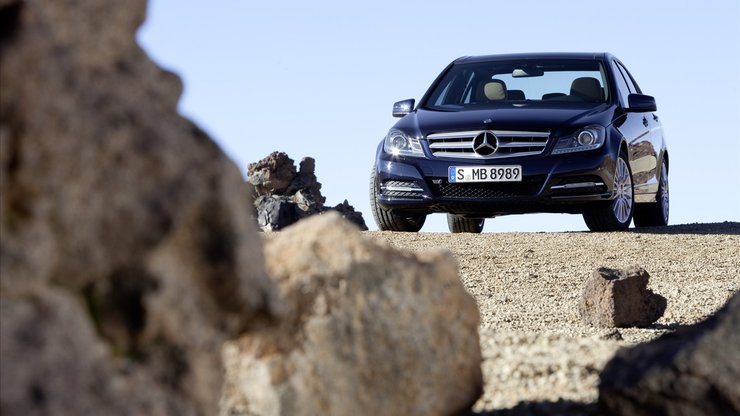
point(524, 133)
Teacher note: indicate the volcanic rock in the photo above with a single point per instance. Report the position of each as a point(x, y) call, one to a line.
point(284, 196)
point(127, 254)
point(620, 298)
point(273, 174)
point(366, 331)
point(694, 371)
point(275, 210)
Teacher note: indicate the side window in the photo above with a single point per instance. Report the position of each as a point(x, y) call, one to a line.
point(442, 95)
point(622, 87)
point(630, 81)
point(451, 93)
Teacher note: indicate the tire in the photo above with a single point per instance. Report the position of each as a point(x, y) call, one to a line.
point(458, 224)
point(617, 215)
point(655, 214)
point(388, 220)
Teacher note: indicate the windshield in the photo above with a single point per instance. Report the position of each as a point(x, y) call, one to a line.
point(558, 82)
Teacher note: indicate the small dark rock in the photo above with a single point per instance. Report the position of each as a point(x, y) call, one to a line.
point(613, 335)
point(620, 298)
point(348, 212)
point(694, 371)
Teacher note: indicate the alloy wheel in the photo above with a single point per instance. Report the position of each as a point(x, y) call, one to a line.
point(622, 204)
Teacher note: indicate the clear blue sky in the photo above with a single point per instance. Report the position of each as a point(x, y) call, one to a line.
point(319, 79)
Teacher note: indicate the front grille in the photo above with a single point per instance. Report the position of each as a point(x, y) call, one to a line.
point(482, 209)
point(459, 144)
point(489, 190)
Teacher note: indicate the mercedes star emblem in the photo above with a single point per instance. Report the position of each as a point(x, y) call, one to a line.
point(485, 143)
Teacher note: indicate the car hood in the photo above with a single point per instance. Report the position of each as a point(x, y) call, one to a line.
point(526, 118)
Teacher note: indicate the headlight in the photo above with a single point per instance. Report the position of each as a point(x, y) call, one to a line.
point(587, 138)
point(398, 143)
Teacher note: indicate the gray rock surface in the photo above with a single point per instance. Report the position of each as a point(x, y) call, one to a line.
point(367, 331)
point(274, 210)
point(127, 253)
point(694, 371)
point(284, 196)
point(620, 298)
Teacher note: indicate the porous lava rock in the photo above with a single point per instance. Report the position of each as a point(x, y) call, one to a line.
point(367, 331)
point(283, 195)
point(273, 174)
point(620, 298)
point(127, 253)
point(693, 371)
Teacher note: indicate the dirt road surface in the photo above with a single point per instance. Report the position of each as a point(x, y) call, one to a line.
point(538, 356)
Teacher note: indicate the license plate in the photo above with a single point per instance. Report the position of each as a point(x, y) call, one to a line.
point(459, 174)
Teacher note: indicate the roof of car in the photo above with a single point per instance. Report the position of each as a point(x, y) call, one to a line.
point(561, 55)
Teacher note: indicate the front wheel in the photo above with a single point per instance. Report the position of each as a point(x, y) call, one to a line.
point(617, 215)
point(459, 224)
point(655, 214)
point(388, 220)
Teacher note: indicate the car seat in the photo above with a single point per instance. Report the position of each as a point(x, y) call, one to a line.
point(515, 95)
point(587, 89)
point(491, 90)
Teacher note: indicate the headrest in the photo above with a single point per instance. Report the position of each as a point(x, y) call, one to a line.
point(587, 88)
point(495, 90)
point(515, 95)
point(552, 95)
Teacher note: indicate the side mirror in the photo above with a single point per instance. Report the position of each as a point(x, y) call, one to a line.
point(404, 107)
point(639, 103)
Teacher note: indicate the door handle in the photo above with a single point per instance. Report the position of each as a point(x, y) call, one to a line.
point(644, 121)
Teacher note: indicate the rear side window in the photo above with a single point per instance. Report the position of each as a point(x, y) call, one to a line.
point(628, 78)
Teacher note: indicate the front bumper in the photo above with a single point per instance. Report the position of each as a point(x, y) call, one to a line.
point(569, 183)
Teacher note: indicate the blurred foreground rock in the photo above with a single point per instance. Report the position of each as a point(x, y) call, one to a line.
point(367, 331)
point(127, 255)
point(694, 371)
point(620, 298)
point(284, 195)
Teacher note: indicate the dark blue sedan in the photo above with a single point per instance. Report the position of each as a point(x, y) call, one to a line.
point(525, 133)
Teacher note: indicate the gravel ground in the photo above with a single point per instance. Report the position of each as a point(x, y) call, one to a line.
point(538, 356)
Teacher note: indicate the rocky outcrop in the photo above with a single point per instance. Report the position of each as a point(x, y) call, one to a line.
point(283, 195)
point(366, 331)
point(620, 298)
point(694, 371)
point(127, 255)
